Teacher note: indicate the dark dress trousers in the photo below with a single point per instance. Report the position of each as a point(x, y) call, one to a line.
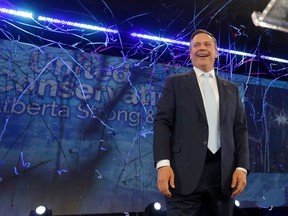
point(181, 131)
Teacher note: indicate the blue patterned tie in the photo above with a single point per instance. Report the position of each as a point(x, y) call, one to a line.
point(212, 115)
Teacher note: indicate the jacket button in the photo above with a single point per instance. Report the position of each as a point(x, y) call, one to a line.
point(205, 143)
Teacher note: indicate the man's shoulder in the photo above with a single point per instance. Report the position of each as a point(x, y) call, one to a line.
point(226, 81)
point(180, 75)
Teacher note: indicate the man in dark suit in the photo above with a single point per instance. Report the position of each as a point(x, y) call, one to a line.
point(201, 154)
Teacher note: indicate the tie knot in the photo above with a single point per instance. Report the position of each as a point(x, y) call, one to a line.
point(206, 75)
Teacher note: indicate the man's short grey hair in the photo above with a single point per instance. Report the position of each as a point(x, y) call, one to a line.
point(199, 31)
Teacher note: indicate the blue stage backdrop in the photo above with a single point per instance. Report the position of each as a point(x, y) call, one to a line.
point(76, 132)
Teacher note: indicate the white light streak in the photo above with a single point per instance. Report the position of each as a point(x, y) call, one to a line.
point(75, 24)
point(17, 13)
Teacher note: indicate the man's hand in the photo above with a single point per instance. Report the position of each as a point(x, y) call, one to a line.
point(165, 179)
point(238, 182)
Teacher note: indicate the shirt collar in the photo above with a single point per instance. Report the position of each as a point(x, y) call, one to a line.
point(200, 72)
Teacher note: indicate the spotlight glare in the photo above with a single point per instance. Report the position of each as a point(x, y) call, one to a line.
point(40, 210)
point(157, 206)
point(237, 203)
point(154, 209)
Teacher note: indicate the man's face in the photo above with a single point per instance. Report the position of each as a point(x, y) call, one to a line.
point(203, 52)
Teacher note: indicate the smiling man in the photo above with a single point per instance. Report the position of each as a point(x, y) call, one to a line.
point(203, 51)
point(200, 137)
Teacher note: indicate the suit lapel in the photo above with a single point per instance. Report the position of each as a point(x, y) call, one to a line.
point(194, 90)
point(222, 89)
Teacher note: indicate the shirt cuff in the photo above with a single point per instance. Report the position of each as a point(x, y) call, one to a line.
point(242, 169)
point(162, 163)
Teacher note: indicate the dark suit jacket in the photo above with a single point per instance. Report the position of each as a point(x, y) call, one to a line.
point(181, 131)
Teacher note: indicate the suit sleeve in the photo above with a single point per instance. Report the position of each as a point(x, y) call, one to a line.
point(164, 122)
point(240, 131)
